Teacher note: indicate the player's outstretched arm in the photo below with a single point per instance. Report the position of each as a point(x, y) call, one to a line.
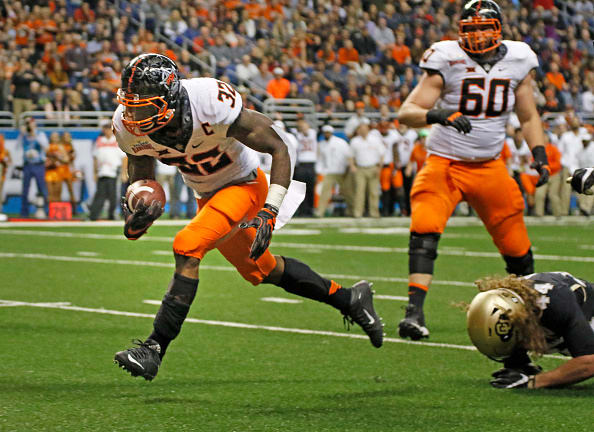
point(573, 371)
point(254, 130)
point(532, 128)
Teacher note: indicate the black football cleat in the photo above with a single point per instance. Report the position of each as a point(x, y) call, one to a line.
point(143, 360)
point(413, 324)
point(361, 311)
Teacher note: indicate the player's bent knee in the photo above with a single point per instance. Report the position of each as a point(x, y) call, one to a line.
point(276, 274)
point(521, 266)
point(422, 251)
point(189, 243)
point(186, 265)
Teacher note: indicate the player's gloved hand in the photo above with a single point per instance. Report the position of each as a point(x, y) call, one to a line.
point(541, 164)
point(511, 378)
point(264, 223)
point(527, 369)
point(449, 118)
point(139, 221)
point(582, 181)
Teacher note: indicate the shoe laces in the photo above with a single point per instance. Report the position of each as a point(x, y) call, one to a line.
point(144, 344)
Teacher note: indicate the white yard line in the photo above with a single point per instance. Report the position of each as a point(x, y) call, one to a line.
point(68, 307)
point(306, 246)
point(390, 297)
point(36, 256)
point(87, 254)
point(457, 221)
point(281, 300)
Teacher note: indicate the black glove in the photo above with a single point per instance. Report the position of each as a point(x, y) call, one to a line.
point(139, 221)
point(582, 181)
point(527, 369)
point(264, 223)
point(541, 164)
point(511, 378)
point(449, 118)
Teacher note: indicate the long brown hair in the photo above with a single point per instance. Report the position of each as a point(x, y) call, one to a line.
point(531, 335)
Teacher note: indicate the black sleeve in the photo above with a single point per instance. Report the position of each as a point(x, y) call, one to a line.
point(579, 336)
point(517, 360)
point(566, 319)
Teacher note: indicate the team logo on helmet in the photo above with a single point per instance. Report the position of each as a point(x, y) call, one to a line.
point(150, 86)
point(504, 328)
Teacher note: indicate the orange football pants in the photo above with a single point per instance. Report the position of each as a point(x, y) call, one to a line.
point(486, 186)
point(529, 183)
point(389, 178)
point(216, 225)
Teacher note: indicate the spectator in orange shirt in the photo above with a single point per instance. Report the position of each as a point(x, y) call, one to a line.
point(400, 52)
point(418, 155)
point(326, 52)
point(278, 87)
point(272, 10)
point(84, 13)
point(348, 53)
point(555, 77)
point(545, 4)
point(536, 197)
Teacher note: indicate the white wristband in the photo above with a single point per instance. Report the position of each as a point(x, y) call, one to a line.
point(276, 194)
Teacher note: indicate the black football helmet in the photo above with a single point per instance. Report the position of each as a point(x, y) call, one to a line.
point(479, 29)
point(150, 89)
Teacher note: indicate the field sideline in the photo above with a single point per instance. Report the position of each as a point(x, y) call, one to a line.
point(253, 358)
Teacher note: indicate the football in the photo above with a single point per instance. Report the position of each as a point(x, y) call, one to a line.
point(148, 190)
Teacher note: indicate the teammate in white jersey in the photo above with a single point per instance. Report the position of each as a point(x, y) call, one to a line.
point(200, 126)
point(467, 92)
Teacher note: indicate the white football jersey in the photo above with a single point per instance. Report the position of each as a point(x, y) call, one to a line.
point(486, 97)
point(210, 159)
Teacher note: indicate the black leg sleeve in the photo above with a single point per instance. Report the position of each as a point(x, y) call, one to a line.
point(173, 311)
point(298, 278)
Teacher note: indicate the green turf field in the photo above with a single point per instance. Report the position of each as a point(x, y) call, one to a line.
point(73, 296)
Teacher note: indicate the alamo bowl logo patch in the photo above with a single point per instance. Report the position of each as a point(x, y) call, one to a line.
point(504, 328)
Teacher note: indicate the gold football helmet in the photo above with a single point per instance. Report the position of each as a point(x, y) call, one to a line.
point(490, 322)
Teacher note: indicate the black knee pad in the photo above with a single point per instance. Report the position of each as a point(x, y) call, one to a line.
point(422, 251)
point(175, 306)
point(520, 266)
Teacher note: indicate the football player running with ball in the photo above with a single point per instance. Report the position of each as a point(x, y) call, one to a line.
point(539, 313)
point(201, 126)
point(476, 82)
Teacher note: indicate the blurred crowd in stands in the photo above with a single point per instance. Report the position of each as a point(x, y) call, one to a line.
point(61, 56)
point(67, 55)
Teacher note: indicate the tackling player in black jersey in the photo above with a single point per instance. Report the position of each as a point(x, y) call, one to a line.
point(539, 313)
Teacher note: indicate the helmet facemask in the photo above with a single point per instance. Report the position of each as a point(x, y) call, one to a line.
point(144, 115)
point(478, 35)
